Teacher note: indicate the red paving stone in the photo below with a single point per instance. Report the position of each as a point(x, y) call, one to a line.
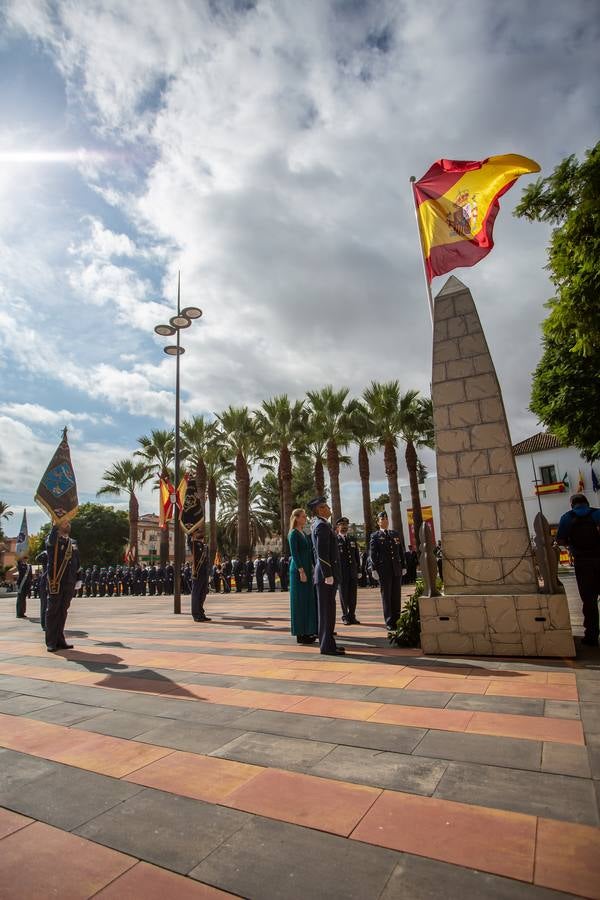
point(200, 777)
point(567, 858)
point(151, 883)
point(319, 803)
point(487, 839)
point(11, 821)
point(535, 728)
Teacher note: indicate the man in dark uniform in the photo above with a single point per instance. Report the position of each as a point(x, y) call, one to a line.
point(579, 530)
point(63, 563)
point(199, 575)
point(169, 579)
point(160, 580)
point(349, 569)
point(88, 582)
point(24, 578)
point(95, 581)
point(284, 569)
point(387, 559)
point(237, 569)
point(110, 581)
point(42, 560)
point(144, 580)
point(249, 569)
point(326, 574)
point(260, 573)
point(152, 576)
point(271, 566)
point(102, 582)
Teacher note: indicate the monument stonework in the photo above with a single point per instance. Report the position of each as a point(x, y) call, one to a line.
point(492, 603)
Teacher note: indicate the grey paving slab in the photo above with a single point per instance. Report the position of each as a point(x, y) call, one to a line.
point(20, 706)
point(590, 716)
point(19, 685)
point(397, 771)
point(18, 769)
point(67, 797)
point(436, 699)
point(593, 745)
point(536, 793)
point(270, 722)
point(518, 706)
point(565, 759)
point(66, 713)
point(277, 861)
point(481, 748)
point(312, 688)
point(170, 831)
point(396, 738)
point(189, 736)
point(562, 709)
point(117, 724)
point(6, 695)
point(206, 678)
point(588, 689)
point(418, 878)
point(274, 750)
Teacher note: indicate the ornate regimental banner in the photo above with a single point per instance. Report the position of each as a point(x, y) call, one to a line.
point(57, 491)
point(191, 515)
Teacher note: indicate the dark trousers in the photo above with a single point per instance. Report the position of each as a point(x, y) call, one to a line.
point(56, 617)
point(260, 583)
point(238, 584)
point(271, 579)
point(226, 584)
point(347, 588)
point(43, 601)
point(249, 582)
point(326, 614)
point(587, 574)
point(199, 589)
point(390, 587)
point(22, 592)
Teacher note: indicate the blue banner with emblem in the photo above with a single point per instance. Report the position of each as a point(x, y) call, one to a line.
point(22, 543)
point(57, 491)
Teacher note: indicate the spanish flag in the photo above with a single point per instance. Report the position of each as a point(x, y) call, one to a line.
point(166, 502)
point(457, 203)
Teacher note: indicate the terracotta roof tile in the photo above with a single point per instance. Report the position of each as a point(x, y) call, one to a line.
point(535, 444)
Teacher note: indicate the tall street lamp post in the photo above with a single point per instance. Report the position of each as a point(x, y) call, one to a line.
point(183, 319)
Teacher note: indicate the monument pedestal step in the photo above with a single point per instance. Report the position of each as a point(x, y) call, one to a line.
point(496, 625)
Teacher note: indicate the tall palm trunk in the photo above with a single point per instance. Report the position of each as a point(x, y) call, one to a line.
point(242, 478)
point(212, 507)
point(201, 483)
point(391, 470)
point(134, 515)
point(410, 456)
point(285, 468)
point(333, 467)
point(319, 476)
point(365, 473)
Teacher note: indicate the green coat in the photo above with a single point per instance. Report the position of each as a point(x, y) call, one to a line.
point(303, 602)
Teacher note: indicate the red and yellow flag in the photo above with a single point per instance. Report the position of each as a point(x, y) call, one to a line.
point(457, 203)
point(166, 502)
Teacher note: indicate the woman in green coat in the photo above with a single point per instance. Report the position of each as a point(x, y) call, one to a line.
point(302, 592)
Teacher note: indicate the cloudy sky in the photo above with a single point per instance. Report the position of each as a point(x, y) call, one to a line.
point(264, 149)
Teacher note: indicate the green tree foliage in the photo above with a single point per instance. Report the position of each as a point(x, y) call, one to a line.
point(101, 533)
point(377, 505)
point(565, 392)
point(5, 513)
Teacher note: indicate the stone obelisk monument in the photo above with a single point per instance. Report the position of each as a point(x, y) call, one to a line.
point(492, 603)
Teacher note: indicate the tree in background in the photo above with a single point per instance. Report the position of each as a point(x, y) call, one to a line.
point(378, 504)
point(217, 468)
point(5, 513)
point(126, 476)
point(101, 533)
point(259, 515)
point(565, 383)
point(365, 438)
point(239, 442)
point(331, 413)
point(415, 419)
point(197, 435)
point(158, 454)
point(383, 402)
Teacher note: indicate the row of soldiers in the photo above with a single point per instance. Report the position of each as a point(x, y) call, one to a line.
point(235, 573)
point(122, 581)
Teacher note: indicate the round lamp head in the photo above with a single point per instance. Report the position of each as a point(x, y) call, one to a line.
point(192, 312)
point(180, 322)
point(172, 350)
point(165, 330)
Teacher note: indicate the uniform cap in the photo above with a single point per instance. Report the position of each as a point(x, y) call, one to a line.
point(316, 502)
point(343, 520)
point(381, 514)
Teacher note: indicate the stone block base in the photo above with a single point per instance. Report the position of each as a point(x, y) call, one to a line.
point(497, 625)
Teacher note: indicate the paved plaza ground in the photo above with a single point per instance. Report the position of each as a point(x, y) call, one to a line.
point(162, 758)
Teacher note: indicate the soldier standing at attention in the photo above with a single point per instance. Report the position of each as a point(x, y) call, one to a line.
point(387, 559)
point(24, 578)
point(42, 560)
point(227, 570)
point(284, 572)
point(199, 575)
point(260, 573)
point(349, 570)
point(237, 569)
point(271, 566)
point(326, 574)
point(63, 563)
point(249, 573)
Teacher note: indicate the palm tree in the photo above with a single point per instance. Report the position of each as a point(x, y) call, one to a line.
point(315, 449)
point(416, 430)
point(259, 514)
point(239, 441)
point(282, 426)
point(217, 468)
point(126, 476)
point(197, 435)
point(158, 453)
point(5, 513)
point(332, 415)
point(366, 440)
point(383, 402)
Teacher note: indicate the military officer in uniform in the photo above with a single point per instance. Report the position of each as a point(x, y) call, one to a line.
point(42, 560)
point(249, 567)
point(24, 579)
point(63, 564)
point(227, 570)
point(326, 574)
point(237, 569)
point(349, 571)
point(387, 559)
point(284, 570)
point(271, 567)
point(169, 579)
point(199, 575)
point(260, 573)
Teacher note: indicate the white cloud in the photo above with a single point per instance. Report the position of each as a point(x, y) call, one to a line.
point(35, 414)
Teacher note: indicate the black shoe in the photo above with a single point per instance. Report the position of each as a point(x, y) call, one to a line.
point(65, 646)
point(589, 642)
point(346, 621)
point(205, 619)
point(51, 649)
point(334, 633)
point(339, 651)
point(21, 617)
point(197, 620)
point(354, 622)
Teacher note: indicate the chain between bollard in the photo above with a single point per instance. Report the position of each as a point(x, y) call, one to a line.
point(529, 549)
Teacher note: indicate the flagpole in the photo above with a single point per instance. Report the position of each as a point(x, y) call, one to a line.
point(427, 283)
